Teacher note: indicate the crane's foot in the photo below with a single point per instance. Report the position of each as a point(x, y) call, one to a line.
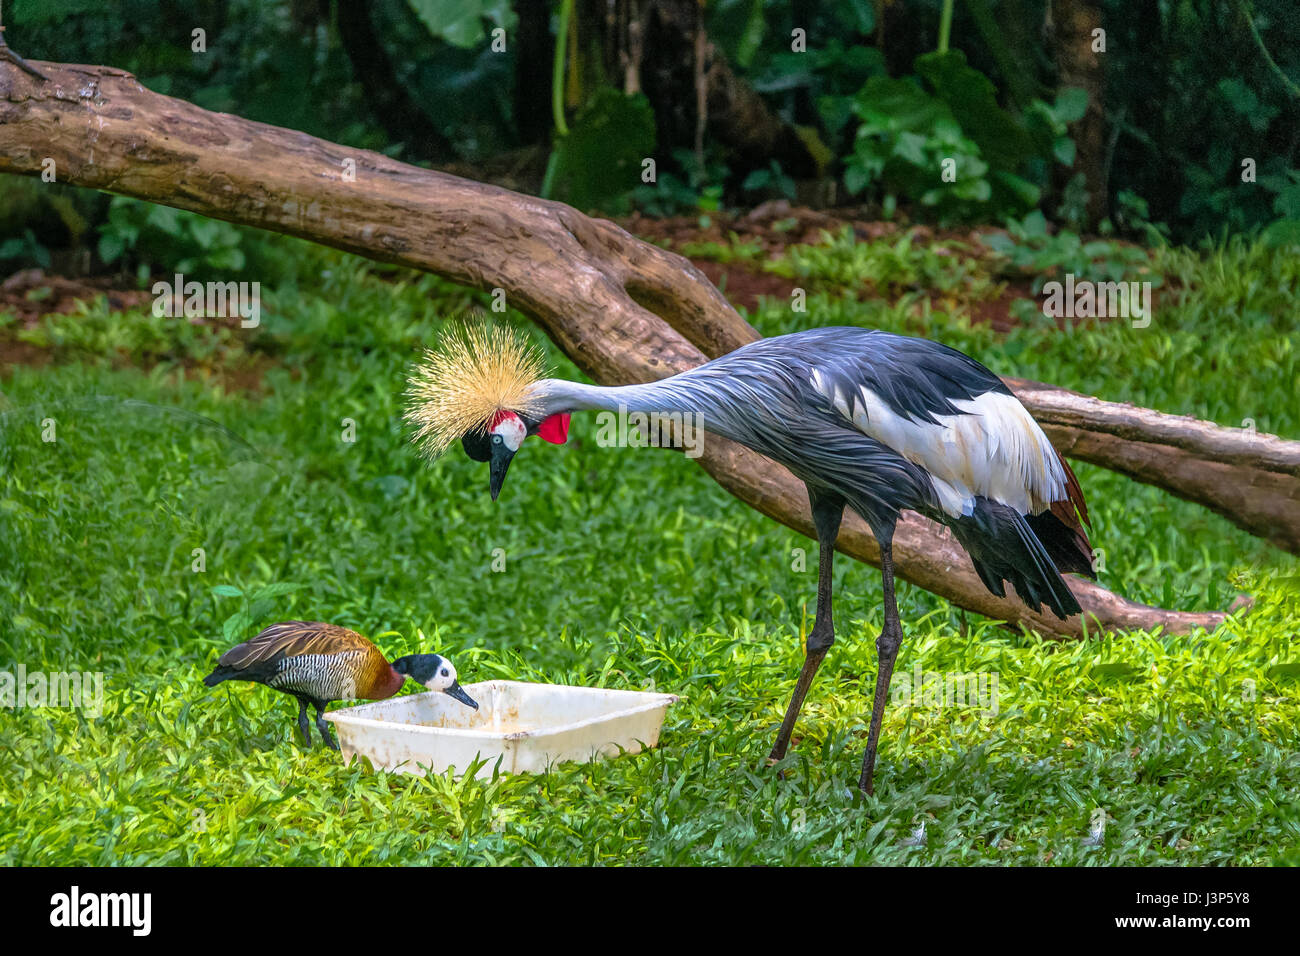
point(818, 645)
point(887, 644)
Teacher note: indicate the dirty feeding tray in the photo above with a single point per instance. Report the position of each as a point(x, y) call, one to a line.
point(528, 726)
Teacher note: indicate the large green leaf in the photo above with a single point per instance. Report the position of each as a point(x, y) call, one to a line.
point(460, 22)
point(970, 95)
point(899, 105)
point(1071, 104)
point(600, 160)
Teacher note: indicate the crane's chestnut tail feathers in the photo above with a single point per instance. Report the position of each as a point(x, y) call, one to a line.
point(1067, 546)
point(1004, 547)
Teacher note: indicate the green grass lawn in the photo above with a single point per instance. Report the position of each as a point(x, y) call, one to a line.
point(624, 568)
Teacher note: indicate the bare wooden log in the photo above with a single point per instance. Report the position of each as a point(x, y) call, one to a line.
point(1251, 479)
point(588, 283)
point(1229, 446)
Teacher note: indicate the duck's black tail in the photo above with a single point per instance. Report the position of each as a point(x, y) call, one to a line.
point(1004, 546)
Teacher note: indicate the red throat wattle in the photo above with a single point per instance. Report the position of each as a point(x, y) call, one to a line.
point(554, 429)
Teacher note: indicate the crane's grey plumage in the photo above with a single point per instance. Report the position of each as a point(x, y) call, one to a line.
point(883, 423)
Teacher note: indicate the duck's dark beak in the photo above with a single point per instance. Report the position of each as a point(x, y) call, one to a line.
point(500, 464)
point(456, 691)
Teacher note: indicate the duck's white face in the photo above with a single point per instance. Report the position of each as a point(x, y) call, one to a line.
point(443, 677)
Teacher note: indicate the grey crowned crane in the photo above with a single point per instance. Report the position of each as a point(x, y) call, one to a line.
point(879, 422)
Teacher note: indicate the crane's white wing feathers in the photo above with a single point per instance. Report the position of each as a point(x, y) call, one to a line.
point(991, 447)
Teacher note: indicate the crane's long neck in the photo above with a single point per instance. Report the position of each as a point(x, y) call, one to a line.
point(682, 395)
point(559, 395)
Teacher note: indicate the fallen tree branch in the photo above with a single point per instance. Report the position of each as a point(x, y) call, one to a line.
point(590, 284)
point(1251, 479)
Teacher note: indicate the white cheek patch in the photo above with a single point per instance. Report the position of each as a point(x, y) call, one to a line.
point(512, 432)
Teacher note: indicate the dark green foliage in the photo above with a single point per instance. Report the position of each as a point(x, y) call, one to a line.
point(770, 180)
point(604, 151)
point(909, 131)
point(172, 239)
point(1029, 248)
point(25, 248)
point(1193, 94)
point(1193, 89)
point(259, 60)
point(696, 189)
point(460, 22)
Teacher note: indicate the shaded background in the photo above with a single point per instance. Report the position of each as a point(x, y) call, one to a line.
point(1185, 90)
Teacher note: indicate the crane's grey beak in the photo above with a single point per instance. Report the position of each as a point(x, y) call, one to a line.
point(500, 464)
point(456, 691)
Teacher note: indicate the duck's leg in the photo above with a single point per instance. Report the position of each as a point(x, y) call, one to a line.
point(887, 644)
point(827, 513)
point(303, 723)
point(322, 726)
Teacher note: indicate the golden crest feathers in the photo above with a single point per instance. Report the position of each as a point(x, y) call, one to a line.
point(474, 372)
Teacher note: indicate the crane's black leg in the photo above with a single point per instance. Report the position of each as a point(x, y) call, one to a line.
point(891, 636)
point(827, 512)
point(322, 726)
point(303, 725)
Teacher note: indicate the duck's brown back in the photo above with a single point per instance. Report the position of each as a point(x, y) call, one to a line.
point(323, 661)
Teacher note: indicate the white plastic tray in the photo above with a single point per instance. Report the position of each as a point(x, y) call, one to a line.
point(529, 726)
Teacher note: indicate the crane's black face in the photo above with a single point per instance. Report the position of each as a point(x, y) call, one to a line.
point(496, 446)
